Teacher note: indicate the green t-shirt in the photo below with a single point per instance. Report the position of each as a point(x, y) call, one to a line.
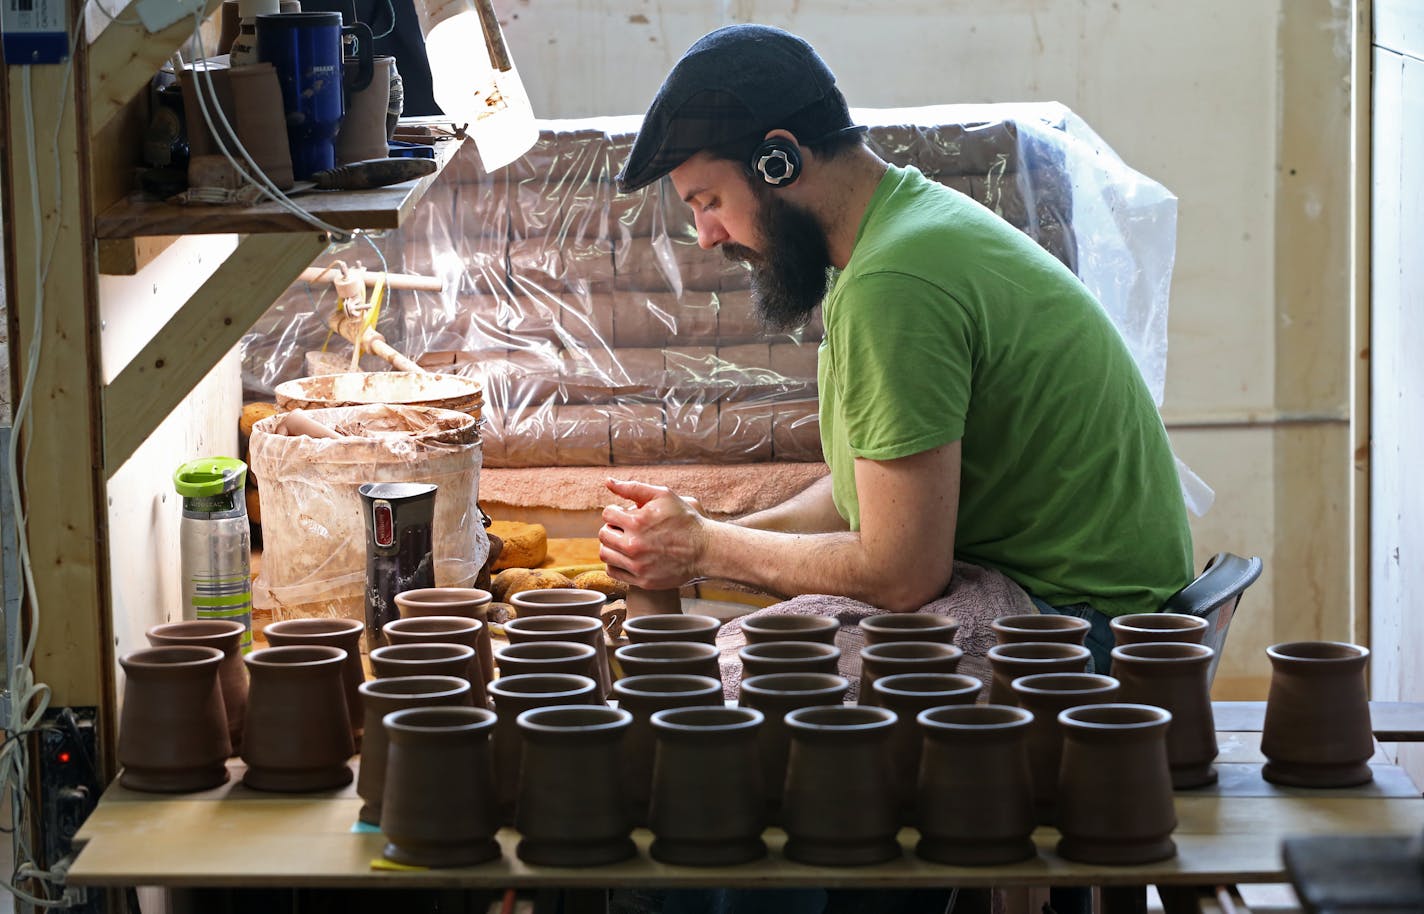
point(949, 324)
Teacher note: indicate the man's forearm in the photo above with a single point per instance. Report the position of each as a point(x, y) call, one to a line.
point(812, 510)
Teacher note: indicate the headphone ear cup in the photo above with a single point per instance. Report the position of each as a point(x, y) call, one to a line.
point(777, 162)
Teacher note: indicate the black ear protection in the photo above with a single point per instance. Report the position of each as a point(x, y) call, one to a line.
point(777, 161)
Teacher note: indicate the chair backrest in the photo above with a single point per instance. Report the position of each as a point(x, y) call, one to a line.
point(1214, 596)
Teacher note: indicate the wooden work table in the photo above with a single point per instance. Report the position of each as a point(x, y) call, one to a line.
point(233, 836)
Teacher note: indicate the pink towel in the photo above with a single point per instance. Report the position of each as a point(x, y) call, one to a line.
point(976, 597)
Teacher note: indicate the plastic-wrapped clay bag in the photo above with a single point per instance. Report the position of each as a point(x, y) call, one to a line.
point(313, 532)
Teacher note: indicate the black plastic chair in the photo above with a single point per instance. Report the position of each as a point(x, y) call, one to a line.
point(1214, 596)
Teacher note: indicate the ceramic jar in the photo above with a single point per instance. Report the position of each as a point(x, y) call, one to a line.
point(439, 807)
point(1317, 731)
point(513, 695)
point(775, 695)
point(395, 660)
point(891, 657)
point(380, 697)
point(173, 729)
point(835, 812)
point(579, 629)
point(908, 627)
point(444, 630)
point(226, 636)
point(907, 694)
point(470, 602)
point(342, 633)
point(643, 696)
point(1010, 661)
point(547, 657)
point(679, 627)
point(975, 795)
point(567, 601)
point(1114, 787)
point(298, 733)
point(760, 627)
point(1176, 676)
point(707, 808)
point(1045, 696)
point(571, 810)
point(689, 658)
point(1041, 627)
point(789, 657)
point(1140, 628)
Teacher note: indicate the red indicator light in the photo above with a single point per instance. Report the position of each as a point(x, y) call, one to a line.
point(64, 758)
point(385, 524)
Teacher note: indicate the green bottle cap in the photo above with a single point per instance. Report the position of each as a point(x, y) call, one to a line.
point(210, 476)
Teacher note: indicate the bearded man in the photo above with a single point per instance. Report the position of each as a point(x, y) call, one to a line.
point(976, 402)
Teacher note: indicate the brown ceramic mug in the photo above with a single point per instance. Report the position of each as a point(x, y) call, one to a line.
point(342, 633)
point(1140, 628)
point(513, 695)
point(226, 636)
point(444, 630)
point(1175, 676)
point(298, 734)
point(907, 694)
point(580, 629)
point(1041, 627)
point(380, 697)
point(672, 628)
point(760, 627)
point(908, 627)
point(1010, 661)
point(776, 695)
point(789, 657)
point(692, 658)
point(1045, 696)
point(891, 657)
point(547, 657)
point(1317, 688)
point(173, 729)
point(567, 601)
point(394, 660)
point(643, 696)
point(471, 602)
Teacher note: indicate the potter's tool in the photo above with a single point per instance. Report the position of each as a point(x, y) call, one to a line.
point(215, 542)
point(297, 422)
point(399, 518)
point(367, 338)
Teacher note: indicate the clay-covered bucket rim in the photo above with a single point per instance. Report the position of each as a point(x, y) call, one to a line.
point(1065, 684)
point(946, 684)
point(557, 596)
point(841, 719)
point(559, 685)
point(432, 596)
point(911, 651)
point(296, 657)
point(172, 657)
point(543, 625)
point(909, 622)
point(545, 650)
point(197, 629)
point(574, 719)
point(443, 719)
point(708, 719)
point(1028, 623)
point(975, 718)
point(424, 686)
point(789, 622)
point(297, 392)
point(433, 625)
point(434, 651)
point(684, 623)
point(789, 650)
point(1318, 652)
point(656, 685)
point(1038, 652)
point(771, 685)
point(310, 629)
point(1158, 652)
point(442, 428)
point(666, 651)
point(1146, 623)
point(1098, 718)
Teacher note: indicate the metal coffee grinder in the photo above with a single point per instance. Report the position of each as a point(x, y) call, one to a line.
point(399, 547)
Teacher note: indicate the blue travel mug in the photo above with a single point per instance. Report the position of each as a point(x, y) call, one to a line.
point(305, 49)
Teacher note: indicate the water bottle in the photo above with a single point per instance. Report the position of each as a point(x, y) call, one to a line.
point(216, 542)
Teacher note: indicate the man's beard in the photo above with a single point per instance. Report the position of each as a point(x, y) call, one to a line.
point(789, 277)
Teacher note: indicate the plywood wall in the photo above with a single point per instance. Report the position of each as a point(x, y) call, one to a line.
point(1397, 279)
point(1241, 107)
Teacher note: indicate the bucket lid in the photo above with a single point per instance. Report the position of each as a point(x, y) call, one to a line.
point(209, 476)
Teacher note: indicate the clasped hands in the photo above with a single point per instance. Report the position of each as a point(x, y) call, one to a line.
point(658, 543)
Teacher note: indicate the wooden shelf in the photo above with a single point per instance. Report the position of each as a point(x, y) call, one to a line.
point(382, 208)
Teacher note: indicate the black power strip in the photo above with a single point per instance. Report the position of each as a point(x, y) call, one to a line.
point(66, 758)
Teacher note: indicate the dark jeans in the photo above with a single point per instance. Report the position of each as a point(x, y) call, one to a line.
point(1100, 640)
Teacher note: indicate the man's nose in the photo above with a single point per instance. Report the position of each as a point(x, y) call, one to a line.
point(710, 232)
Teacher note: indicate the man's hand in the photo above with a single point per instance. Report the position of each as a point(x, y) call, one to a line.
point(656, 544)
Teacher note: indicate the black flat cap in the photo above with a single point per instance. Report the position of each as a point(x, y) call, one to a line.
point(734, 84)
